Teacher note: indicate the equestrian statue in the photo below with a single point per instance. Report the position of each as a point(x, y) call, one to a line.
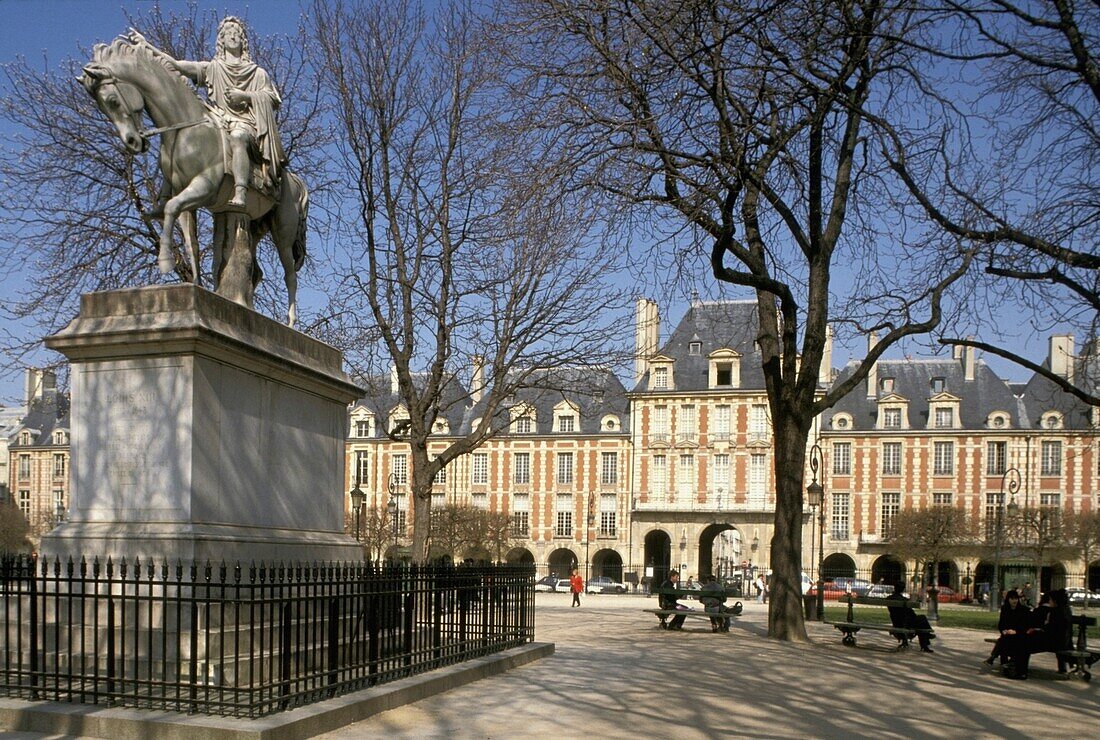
point(222, 154)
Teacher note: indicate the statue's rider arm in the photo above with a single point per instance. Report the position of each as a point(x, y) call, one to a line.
point(195, 71)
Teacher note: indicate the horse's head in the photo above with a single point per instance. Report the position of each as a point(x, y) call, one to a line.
point(119, 101)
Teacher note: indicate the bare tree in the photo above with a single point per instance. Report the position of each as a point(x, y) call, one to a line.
point(459, 249)
point(1081, 531)
point(376, 528)
point(1012, 166)
point(72, 197)
point(740, 128)
point(14, 530)
point(1037, 533)
point(930, 536)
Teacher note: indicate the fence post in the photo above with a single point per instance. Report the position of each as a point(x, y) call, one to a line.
point(34, 629)
point(333, 641)
point(110, 632)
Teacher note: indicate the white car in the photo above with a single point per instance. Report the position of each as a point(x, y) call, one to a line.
point(605, 585)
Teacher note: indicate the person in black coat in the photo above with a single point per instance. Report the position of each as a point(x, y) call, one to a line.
point(712, 597)
point(904, 616)
point(1015, 619)
point(1053, 634)
point(671, 601)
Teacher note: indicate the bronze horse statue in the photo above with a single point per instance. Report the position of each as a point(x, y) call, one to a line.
point(126, 79)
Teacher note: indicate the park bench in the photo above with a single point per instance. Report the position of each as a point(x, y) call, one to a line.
point(1080, 657)
point(850, 626)
point(682, 593)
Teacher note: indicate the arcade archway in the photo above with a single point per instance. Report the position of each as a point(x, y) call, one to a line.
point(561, 562)
point(607, 563)
point(888, 570)
point(838, 565)
point(658, 555)
point(723, 559)
point(519, 555)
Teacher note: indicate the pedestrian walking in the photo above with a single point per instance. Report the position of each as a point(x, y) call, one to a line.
point(576, 585)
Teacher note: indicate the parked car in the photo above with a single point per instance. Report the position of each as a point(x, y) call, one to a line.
point(605, 585)
point(562, 585)
point(882, 591)
point(1079, 597)
point(546, 583)
point(947, 595)
point(857, 586)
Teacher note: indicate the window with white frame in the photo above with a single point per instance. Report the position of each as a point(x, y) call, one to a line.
point(685, 476)
point(688, 424)
point(660, 377)
point(758, 421)
point(362, 428)
point(402, 513)
point(24, 438)
point(722, 422)
point(563, 516)
point(524, 425)
point(659, 432)
point(441, 476)
point(994, 502)
point(660, 474)
point(891, 458)
point(24, 467)
point(1050, 512)
point(944, 498)
point(842, 458)
point(480, 501)
point(521, 516)
point(721, 473)
point(25, 503)
point(1050, 500)
point(59, 465)
point(758, 478)
point(59, 438)
point(565, 468)
point(479, 469)
point(58, 501)
point(996, 457)
point(439, 501)
point(840, 522)
point(566, 423)
point(609, 468)
point(891, 418)
point(943, 458)
point(1051, 462)
point(891, 504)
point(695, 348)
point(608, 506)
point(945, 417)
point(362, 467)
point(400, 465)
point(521, 464)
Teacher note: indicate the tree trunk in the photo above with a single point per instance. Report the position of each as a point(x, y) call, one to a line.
point(785, 615)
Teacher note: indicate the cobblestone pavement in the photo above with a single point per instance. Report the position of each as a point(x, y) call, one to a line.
point(616, 675)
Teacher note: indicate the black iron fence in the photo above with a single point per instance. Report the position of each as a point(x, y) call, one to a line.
point(246, 640)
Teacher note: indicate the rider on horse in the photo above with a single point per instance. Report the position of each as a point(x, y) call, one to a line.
point(245, 100)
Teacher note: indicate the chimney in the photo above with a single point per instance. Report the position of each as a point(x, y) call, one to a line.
point(969, 360)
point(393, 380)
point(872, 376)
point(825, 372)
point(957, 352)
point(477, 379)
point(647, 325)
point(1061, 356)
point(38, 384)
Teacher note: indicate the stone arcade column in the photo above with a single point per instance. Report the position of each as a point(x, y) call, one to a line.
point(201, 430)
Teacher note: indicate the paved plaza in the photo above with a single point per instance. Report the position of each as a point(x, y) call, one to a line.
point(616, 675)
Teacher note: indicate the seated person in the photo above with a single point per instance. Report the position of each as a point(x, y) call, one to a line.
point(904, 616)
point(1054, 633)
point(671, 601)
point(1015, 619)
point(712, 597)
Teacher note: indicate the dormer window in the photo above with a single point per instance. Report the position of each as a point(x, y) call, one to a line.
point(695, 348)
point(886, 385)
point(660, 377)
point(362, 428)
point(725, 369)
point(24, 438)
point(998, 420)
point(566, 423)
point(1052, 420)
point(945, 418)
point(842, 421)
point(724, 372)
point(939, 385)
point(60, 438)
point(610, 424)
point(524, 425)
point(891, 418)
point(440, 426)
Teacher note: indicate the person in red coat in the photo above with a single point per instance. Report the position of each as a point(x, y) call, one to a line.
point(576, 585)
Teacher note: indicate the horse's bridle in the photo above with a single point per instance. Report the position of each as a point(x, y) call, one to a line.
point(99, 75)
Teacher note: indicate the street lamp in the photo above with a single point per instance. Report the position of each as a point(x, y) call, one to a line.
point(588, 539)
point(392, 508)
point(357, 498)
point(1011, 477)
point(815, 495)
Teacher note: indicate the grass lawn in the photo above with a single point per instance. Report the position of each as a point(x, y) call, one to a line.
point(975, 619)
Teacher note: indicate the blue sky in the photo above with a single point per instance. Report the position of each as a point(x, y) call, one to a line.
point(50, 31)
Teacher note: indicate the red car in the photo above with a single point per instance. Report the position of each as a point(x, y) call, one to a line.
point(948, 595)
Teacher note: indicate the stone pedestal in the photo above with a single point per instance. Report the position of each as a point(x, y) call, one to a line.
point(201, 430)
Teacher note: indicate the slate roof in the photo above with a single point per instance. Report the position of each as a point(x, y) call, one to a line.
point(47, 413)
point(1041, 395)
point(715, 325)
point(454, 401)
point(913, 381)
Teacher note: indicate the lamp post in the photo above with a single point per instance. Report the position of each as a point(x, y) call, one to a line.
point(587, 539)
point(392, 508)
point(1011, 480)
point(357, 498)
point(815, 495)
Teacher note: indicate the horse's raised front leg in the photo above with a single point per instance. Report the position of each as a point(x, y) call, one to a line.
point(198, 192)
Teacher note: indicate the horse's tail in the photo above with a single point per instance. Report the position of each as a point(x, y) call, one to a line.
point(298, 249)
